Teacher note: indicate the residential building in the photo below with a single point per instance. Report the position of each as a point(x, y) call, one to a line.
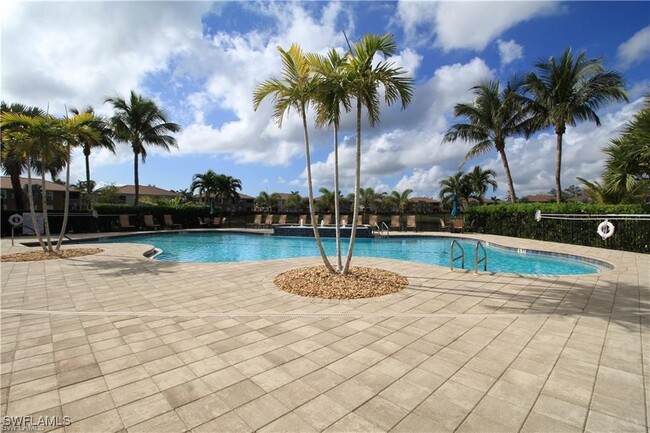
point(424, 205)
point(126, 193)
point(55, 195)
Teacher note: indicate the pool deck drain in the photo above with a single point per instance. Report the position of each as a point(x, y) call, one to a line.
point(120, 342)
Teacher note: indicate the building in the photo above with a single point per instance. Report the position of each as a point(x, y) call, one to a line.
point(424, 205)
point(126, 193)
point(539, 198)
point(55, 195)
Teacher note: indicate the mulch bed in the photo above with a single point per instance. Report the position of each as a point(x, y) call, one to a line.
point(33, 256)
point(360, 282)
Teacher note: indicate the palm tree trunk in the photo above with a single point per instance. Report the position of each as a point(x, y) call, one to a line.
point(506, 168)
point(558, 168)
point(32, 210)
point(89, 197)
point(339, 262)
point(136, 179)
point(46, 221)
point(17, 188)
point(310, 189)
point(357, 185)
point(66, 201)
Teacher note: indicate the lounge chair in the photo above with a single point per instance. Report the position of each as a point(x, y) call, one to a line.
point(373, 221)
point(204, 222)
point(268, 222)
point(282, 220)
point(345, 219)
point(169, 222)
point(216, 222)
point(149, 223)
point(125, 224)
point(395, 222)
point(257, 222)
point(457, 225)
point(444, 227)
point(410, 223)
point(302, 218)
point(327, 219)
point(359, 220)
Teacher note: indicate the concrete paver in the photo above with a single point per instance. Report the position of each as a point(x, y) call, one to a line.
point(119, 342)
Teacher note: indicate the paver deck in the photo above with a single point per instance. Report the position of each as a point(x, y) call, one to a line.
point(118, 342)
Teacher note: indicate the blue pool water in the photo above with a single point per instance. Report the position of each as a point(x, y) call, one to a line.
point(239, 247)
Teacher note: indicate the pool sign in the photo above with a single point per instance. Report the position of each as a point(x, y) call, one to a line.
point(16, 219)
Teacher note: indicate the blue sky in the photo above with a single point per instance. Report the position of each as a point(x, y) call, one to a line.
point(201, 61)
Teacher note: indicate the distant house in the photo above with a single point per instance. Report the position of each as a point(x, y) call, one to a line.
point(126, 193)
point(539, 198)
point(55, 195)
point(246, 203)
point(424, 205)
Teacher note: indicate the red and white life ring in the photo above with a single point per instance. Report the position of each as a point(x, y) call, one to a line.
point(605, 229)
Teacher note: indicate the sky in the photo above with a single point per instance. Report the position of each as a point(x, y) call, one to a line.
point(201, 61)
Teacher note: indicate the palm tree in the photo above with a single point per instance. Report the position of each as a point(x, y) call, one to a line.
point(140, 122)
point(479, 180)
point(13, 166)
point(226, 191)
point(568, 91)
point(456, 185)
point(267, 202)
point(493, 117)
point(294, 201)
point(368, 198)
point(102, 126)
point(38, 138)
point(206, 183)
point(364, 78)
point(295, 89)
point(400, 200)
point(327, 200)
point(329, 95)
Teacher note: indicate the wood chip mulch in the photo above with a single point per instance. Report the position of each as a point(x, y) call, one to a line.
point(361, 282)
point(33, 256)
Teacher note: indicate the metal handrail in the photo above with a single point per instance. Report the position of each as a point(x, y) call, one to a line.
point(477, 260)
point(386, 227)
point(461, 256)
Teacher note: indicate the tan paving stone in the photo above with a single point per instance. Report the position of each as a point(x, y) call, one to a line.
point(38, 386)
point(537, 423)
point(108, 422)
point(261, 411)
point(382, 413)
point(321, 412)
point(295, 394)
point(240, 393)
point(230, 422)
point(34, 403)
point(134, 391)
point(126, 376)
point(202, 411)
point(601, 423)
point(168, 422)
point(144, 409)
point(89, 406)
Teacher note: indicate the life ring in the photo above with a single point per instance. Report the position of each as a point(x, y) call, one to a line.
point(605, 229)
point(16, 219)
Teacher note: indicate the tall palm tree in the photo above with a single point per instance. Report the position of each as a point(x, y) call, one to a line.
point(456, 185)
point(13, 166)
point(364, 78)
point(493, 117)
point(103, 128)
point(479, 180)
point(568, 91)
point(294, 90)
point(226, 191)
point(330, 94)
point(140, 122)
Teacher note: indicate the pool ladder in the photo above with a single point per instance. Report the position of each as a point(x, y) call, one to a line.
point(383, 230)
point(477, 260)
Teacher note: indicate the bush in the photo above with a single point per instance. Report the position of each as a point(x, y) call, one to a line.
point(518, 220)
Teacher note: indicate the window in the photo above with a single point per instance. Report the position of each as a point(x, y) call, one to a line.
point(50, 195)
point(3, 194)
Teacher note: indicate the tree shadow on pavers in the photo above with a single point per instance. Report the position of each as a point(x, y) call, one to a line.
point(115, 266)
point(620, 302)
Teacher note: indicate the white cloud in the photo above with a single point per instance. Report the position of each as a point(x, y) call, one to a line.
point(634, 50)
point(509, 51)
point(466, 24)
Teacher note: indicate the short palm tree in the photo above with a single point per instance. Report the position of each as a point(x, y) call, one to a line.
point(226, 192)
point(400, 200)
point(455, 186)
point(364, 78)
point(479, 180)
point(294, 90)
point(12, 165)
point(267, 202)
point(103, 128)
point(294, 201)
point(368, 198)
point(207, 185)
point(493, 117)
point(140, 122)
point(569, 90)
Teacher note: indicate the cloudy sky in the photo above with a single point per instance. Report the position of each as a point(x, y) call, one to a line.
point(201, 61)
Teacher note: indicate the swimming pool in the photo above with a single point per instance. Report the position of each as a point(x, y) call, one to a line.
point(238, 247)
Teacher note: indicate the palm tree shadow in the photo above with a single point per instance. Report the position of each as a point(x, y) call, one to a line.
point(121, 266)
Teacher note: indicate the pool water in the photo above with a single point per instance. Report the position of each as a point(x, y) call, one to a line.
point(239, 247)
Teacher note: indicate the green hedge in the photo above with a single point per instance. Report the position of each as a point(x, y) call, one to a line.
point(518, 220)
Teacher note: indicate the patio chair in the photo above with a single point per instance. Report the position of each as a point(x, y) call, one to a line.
point(216, 222)
point(125, 224)
point(282, 220)
point(169, 222)
point(204, 222)
point(444, 227)
point(268, 222)
point(257, 222)
point(302, 218)
point(457, 225)
point(410, 223)
point(373, 221)
point(149, 223)
point(327, 219)
point(344, 220)
point(359, 220)
point(395, 222)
